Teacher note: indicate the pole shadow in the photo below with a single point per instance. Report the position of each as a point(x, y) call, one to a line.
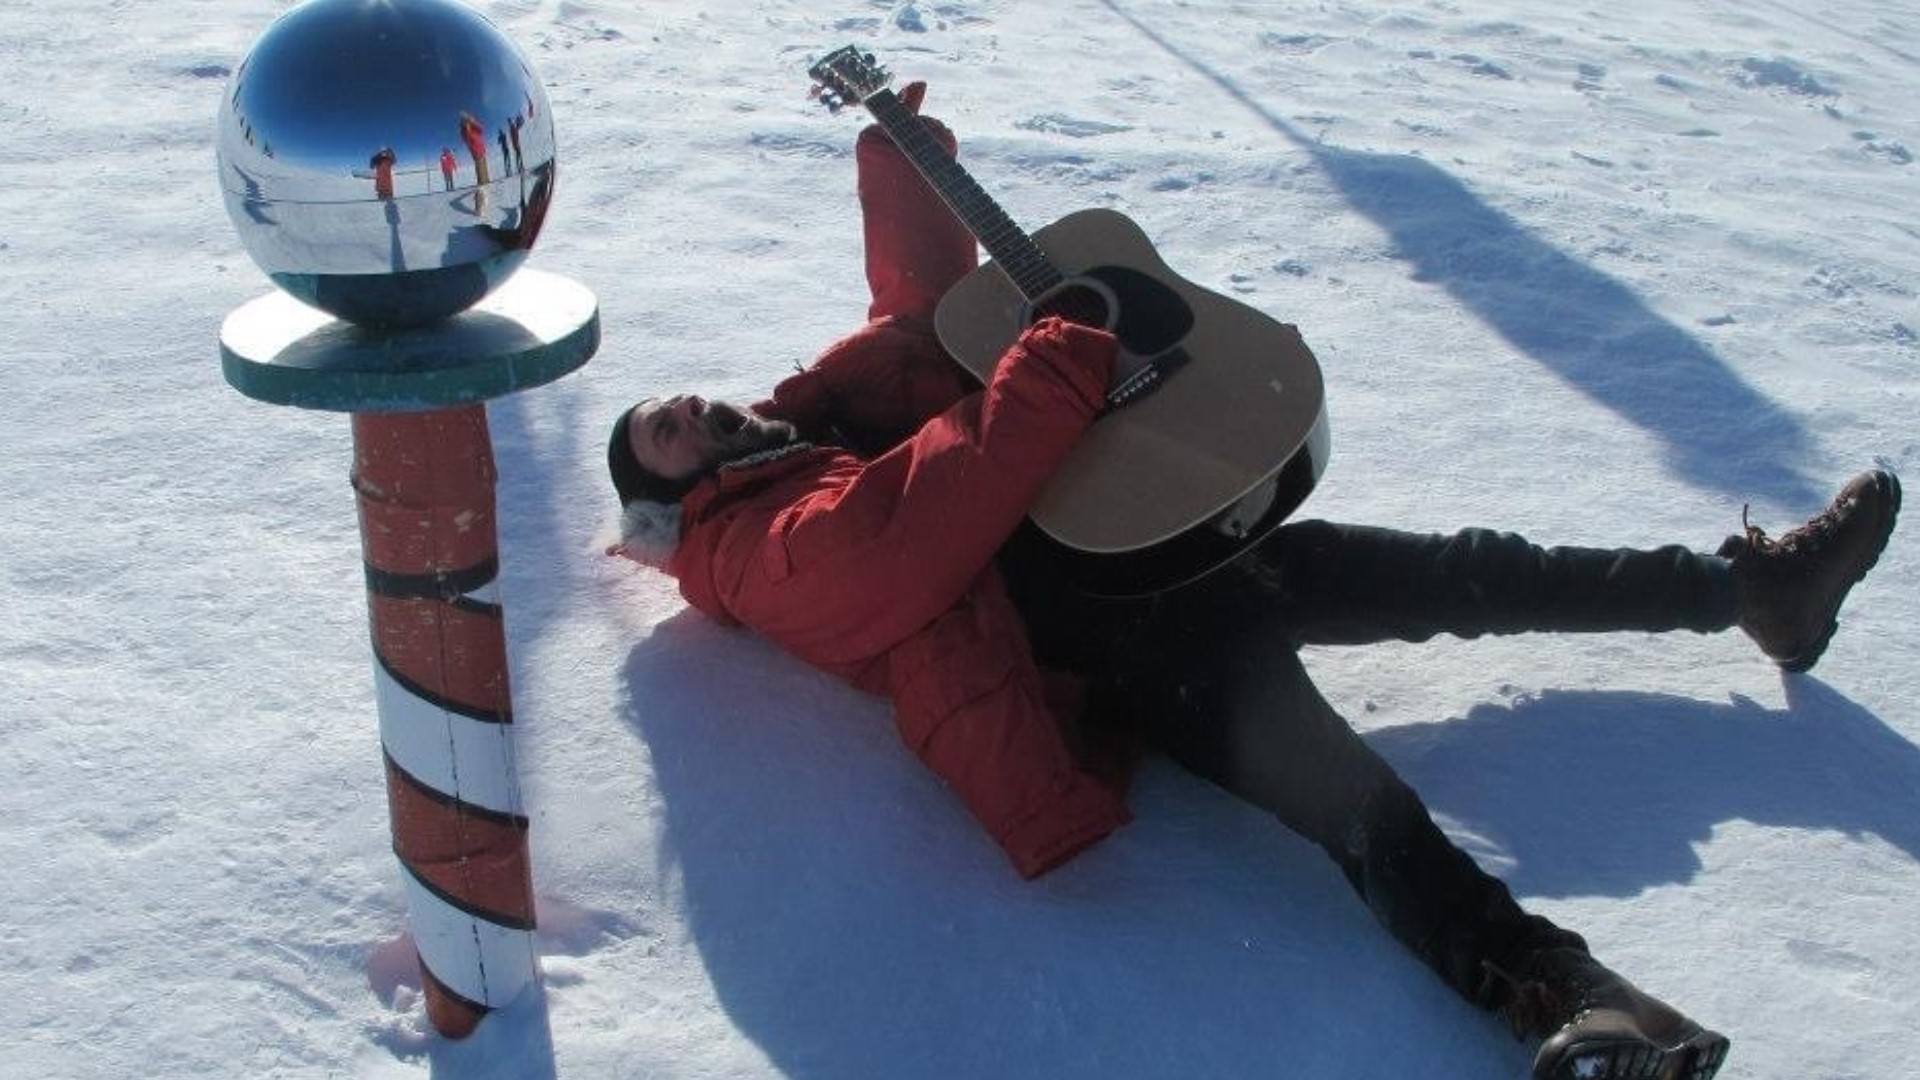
point(1586, 327)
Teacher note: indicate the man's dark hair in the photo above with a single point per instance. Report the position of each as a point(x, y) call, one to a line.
point(634, 481)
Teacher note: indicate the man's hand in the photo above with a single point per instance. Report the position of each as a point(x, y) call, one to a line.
point(912, 94)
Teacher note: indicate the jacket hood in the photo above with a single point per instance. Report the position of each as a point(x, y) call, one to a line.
point(650, 531)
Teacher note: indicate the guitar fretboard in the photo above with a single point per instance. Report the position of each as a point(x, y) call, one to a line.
point(1022, 260)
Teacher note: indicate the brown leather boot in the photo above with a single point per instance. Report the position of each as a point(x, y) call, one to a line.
point(1598, 1026)
point(1790, 589)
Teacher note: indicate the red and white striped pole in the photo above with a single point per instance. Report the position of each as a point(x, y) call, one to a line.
point(423, 474)
point(425, 487)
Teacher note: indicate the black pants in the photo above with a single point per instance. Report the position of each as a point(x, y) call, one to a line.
point(1210, 673)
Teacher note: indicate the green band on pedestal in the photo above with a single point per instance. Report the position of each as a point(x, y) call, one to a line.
point(532, 330)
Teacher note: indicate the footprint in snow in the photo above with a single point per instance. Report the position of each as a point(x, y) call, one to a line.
point(907, 17)
point(1785, 75)
point(1873, 146)
point(912, 17)
point(1295, 44)
point(1056, 124)
point(1475, 65)
point(794, 146)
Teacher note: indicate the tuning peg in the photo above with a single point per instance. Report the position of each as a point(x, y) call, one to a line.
point(825, 97)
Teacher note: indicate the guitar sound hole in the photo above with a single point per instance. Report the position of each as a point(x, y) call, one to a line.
point(1076, 303)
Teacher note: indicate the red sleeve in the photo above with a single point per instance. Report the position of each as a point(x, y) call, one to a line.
point(881, 383)
point(873, 388)
point(953, 493)
point(916, 248)
point(867, 552)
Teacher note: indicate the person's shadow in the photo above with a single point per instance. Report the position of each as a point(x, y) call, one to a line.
point(855, 923)
point(1607, 793)
point(1584, 326)
point(1589, 329)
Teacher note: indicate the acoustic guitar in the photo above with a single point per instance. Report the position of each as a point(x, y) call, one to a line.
point(1216, 425)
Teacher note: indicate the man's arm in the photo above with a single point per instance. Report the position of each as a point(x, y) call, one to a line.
point(950, 496)
point(873, 389)
point(878, 385)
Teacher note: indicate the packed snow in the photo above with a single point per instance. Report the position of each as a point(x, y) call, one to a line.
point(1598, 273)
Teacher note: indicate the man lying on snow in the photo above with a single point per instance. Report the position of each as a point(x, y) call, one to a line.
point(867, 518)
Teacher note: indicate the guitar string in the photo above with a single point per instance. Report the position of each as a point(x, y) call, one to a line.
point(1032, 272)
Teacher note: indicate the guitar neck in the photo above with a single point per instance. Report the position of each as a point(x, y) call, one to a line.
point(1022, 260)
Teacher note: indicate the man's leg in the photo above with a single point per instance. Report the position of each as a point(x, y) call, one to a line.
point(1352, 584)
point(1235, 706)
point(1348, 584)
point(1245, 715)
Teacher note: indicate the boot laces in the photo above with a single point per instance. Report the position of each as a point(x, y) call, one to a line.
point(1806, 538)
point(1533, 1007)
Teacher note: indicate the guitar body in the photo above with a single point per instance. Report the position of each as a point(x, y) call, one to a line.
point(1243, 406)
point(1216, 424)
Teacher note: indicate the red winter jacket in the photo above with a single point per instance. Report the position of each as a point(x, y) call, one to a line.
point(875, 562)
point(880, 569)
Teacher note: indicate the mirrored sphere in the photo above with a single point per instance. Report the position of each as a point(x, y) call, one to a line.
point(387, 161)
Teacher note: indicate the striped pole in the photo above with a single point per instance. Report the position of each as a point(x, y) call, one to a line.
point(423, 476)
point(425, 488)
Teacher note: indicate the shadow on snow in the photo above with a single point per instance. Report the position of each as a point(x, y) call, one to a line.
point(1608, 793)
point(1584, 326)
point(855, 923)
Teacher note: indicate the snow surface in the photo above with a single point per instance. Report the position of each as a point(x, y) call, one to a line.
point(1600, 273)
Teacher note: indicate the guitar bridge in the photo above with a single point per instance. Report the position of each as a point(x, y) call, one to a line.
point(1148, 379)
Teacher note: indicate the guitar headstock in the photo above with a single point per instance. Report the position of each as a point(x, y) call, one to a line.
point(847, 75)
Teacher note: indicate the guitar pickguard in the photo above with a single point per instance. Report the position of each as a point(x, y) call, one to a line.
point(1215, 399)
point(1151, 317)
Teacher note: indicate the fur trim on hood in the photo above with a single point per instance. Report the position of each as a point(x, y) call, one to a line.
point(649, 532)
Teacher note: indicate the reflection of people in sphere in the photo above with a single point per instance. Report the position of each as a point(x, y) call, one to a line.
point(382, 165)
point(447, 165)
point(474, 134)
point(533, 213)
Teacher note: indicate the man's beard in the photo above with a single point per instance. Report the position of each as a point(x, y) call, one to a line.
point(742, 433)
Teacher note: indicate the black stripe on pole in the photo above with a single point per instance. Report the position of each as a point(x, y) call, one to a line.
point(471, 712)
point(510, 922)
point(449, 992)
point(454, 802)
point(448, 585)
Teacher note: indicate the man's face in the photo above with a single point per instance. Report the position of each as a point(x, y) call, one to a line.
point(680, 436)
